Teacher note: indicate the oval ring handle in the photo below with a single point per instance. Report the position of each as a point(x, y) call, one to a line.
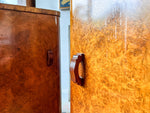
point(74, 69)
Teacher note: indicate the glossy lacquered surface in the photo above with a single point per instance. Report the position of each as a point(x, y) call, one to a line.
point(27, 83)
point(115, 38)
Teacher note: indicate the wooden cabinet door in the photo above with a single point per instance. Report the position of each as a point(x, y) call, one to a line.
point(27, 83)
point(114, 36)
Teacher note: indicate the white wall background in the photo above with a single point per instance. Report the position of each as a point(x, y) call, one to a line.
point(15, 2)
point(64, 48)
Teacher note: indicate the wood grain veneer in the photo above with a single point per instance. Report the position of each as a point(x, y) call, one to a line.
point(115, 39)
point(27, 83)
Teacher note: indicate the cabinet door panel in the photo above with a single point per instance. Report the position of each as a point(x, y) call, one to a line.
point(27, 83)
point(115, 38)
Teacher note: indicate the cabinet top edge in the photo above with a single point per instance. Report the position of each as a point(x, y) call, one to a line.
point(29, 9)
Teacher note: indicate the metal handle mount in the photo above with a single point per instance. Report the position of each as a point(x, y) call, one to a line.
point(50, 57)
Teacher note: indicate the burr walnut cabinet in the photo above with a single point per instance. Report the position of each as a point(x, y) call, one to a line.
point(29, 60)
point(110, 51)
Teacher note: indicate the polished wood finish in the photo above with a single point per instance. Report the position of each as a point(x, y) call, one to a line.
point(28, 9)
point(114, 35)
point(76, 70)
point(30, 3)
point(27, 83)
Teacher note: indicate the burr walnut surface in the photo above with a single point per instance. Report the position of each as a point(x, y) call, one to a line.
point(27, 84)
point(115, 38)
